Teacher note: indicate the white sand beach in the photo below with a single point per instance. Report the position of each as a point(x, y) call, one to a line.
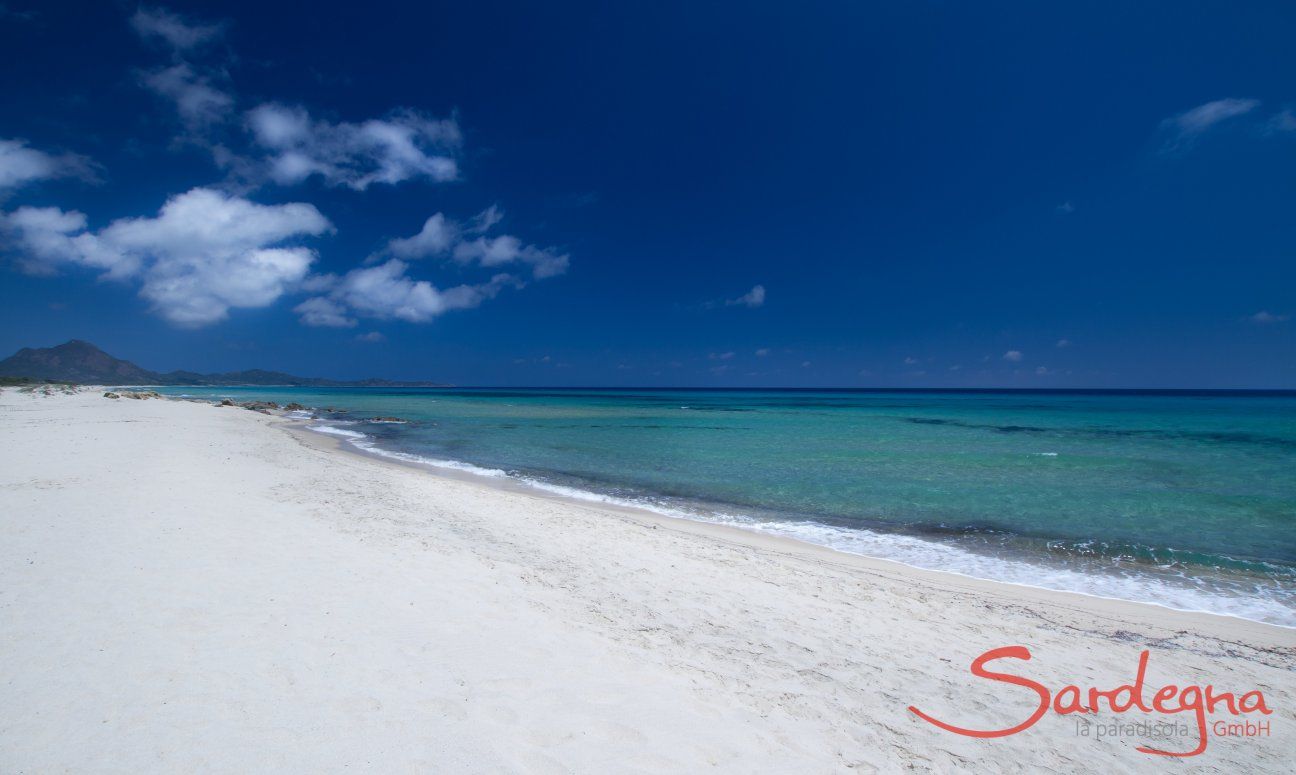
point(187, 588)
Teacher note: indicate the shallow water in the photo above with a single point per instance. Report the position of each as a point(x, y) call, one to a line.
point(1187, 500)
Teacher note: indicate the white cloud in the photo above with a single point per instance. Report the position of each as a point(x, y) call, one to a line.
point(753, 298)
point(485, 220)
point(206, 220)
point(1191, 124)
point(176, 32)
point(204, 253)
point(1265, 316)
point(20, 165)
point(506, 249)
point(386, 291)
point(1013, 355)
point(46, 237)
point(724, 356)
point(404, 146)
point(441, 236)
point(1066, 208)
point(372, 336)
point(319, 311)
point(762, 352)
point(436, 236)
point(199, 289)
point(200, 104)
point(909, 361)
point(1064, 343)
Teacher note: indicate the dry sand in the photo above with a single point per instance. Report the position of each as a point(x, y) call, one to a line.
point(185, 588)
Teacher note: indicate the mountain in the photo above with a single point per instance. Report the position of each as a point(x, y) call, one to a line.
point(79, 361)
point(74, 361)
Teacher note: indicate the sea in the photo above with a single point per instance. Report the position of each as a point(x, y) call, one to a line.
point(1185, 499)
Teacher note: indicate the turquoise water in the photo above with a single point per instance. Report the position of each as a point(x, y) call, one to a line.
point(1187, 500)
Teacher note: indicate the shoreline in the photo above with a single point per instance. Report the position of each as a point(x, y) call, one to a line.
point(459, 471)
point(189, 587)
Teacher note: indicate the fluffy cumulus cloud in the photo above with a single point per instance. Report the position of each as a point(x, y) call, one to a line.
point(507, 249)
point(281, 143)
point(320, 311)
point(207, 251)
point(1186, 127)
point(406, 145)
point(43, 238)
point(468, 244)
point(437, 236)
point(386, 291)
point(204, 253)
point(1013, 356)
point(172, 30)
point(21, 164)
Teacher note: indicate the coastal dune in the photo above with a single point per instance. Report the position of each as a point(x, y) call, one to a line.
point(186, 587)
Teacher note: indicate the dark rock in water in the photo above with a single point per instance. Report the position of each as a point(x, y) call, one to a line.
point(227, 402)
point(386, 419)
point(260, 406)
point(111, 394)
point(295, 407)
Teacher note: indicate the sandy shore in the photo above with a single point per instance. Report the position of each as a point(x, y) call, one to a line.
point(191, 588)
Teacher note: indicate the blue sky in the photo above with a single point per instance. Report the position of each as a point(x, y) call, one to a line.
point(926, 194)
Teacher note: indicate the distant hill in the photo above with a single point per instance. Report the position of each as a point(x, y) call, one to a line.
point(79, 361)
point(75, 361)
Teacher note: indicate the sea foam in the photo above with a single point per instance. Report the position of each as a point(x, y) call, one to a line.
point(1271, 605)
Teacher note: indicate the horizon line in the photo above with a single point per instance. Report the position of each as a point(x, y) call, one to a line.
point(1281, 391)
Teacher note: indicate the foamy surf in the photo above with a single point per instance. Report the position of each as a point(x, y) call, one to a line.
point(1272, 605)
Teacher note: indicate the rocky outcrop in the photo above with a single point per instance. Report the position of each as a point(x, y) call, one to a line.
point(140, 395)
point(111, 394)
point(50, 390)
